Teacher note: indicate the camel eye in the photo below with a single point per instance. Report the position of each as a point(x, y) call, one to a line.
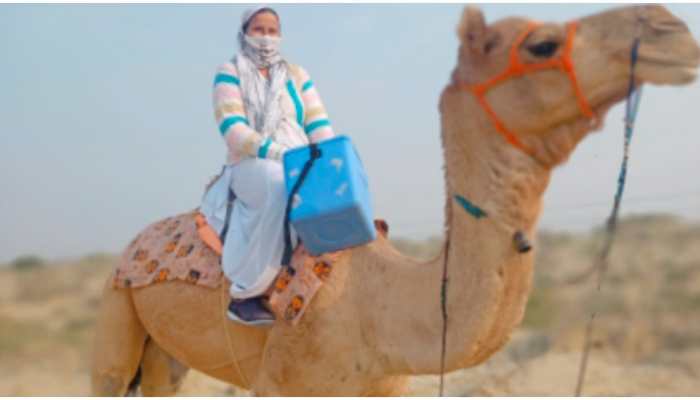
point(544, 49)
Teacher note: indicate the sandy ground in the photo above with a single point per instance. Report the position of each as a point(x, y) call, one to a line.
point(646, 342)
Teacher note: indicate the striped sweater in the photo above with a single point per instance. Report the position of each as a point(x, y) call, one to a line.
point(301, 105)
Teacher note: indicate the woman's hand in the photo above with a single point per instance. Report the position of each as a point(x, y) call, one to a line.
point(276, 152)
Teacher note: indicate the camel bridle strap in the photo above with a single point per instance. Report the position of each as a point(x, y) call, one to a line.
point(518, 68)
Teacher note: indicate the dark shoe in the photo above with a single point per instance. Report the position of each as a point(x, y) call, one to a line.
point(250, 312)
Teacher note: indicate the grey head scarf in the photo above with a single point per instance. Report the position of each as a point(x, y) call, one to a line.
point(261, 96)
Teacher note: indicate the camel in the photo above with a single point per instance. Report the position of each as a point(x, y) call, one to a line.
point(377, 321)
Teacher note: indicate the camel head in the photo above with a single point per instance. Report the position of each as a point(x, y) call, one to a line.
point(564, 77)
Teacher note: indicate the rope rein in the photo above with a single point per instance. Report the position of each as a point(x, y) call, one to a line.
point(231, 350)
point(443, 308)
point(632, 106)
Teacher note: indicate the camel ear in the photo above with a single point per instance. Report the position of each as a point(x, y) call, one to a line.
point(472, 29)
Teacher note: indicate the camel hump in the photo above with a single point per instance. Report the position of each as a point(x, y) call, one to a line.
point(382, 227)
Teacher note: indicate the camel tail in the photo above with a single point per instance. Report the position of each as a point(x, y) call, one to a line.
point(132, 390)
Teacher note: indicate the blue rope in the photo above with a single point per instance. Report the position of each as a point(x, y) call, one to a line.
point(634, 96)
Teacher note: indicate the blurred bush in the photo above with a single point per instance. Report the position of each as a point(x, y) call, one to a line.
point(27, 262)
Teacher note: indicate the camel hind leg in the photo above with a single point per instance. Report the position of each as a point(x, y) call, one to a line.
point(162, 375)
point(119, 343)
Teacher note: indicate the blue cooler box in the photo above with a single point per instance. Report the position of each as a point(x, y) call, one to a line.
point(332, 209)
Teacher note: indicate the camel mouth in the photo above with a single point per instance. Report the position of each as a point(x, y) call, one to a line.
point(669, 66)
point(668, 63)
point(663, 70)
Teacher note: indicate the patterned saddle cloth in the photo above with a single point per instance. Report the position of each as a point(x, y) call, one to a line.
point(184, 247)
point(166, 250)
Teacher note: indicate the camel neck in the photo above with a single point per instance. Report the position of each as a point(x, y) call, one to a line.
point(498, 178)
point(488, 280)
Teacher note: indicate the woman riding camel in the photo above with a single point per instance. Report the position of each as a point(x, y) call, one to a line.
point(264, 106)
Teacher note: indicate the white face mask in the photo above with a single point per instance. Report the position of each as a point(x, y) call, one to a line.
point(264, 43)
point(263, 50)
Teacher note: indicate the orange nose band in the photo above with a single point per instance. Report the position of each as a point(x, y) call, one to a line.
point(518, 68)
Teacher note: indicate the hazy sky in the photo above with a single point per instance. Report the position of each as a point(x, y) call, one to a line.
point(107, 125)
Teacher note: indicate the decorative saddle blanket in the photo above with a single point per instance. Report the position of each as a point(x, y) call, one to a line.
point(297, 284)
point(184, 247)
point(166, 250)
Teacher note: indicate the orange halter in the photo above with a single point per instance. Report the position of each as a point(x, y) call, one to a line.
point(518, 68)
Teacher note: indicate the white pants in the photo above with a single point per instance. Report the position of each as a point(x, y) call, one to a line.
point(254, 244)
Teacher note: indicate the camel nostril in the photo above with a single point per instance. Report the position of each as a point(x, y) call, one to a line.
point(668, 26)
point(660, 20)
